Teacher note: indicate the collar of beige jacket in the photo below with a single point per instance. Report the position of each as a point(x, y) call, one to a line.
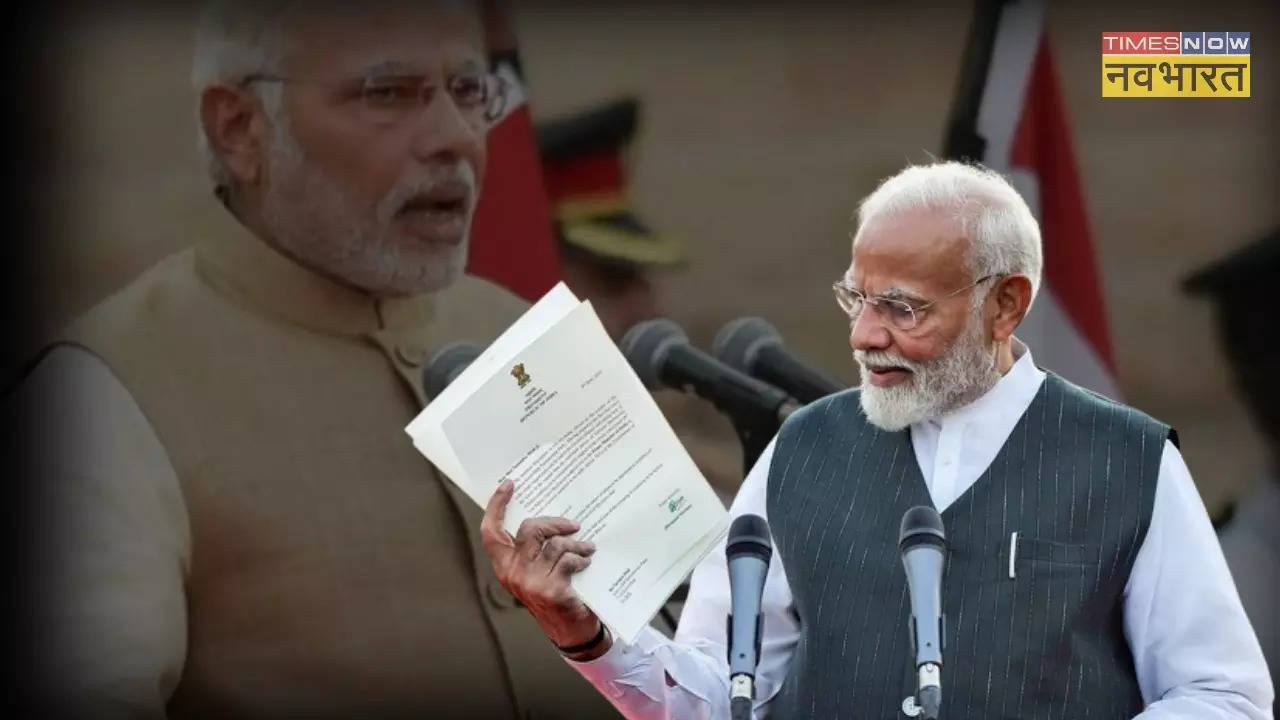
point(246, 268)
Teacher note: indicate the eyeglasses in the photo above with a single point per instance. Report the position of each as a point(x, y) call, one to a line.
point(901, 314)
point(387, 100)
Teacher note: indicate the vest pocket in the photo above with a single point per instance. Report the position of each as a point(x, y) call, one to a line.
point(1025, 555)
point(1047, 586)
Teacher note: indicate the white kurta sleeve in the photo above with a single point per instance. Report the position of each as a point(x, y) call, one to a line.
point(688, 678)
point(1195, 653)
point(112, 542)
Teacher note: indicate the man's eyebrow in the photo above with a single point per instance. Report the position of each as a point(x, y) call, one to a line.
point(401, 68)
point(391, 67)
point(893, 292)
point(897, 293)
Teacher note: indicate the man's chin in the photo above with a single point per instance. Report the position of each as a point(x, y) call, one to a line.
point(892, 408)
point(433, 271)
point(408, 274)
point(430, 280)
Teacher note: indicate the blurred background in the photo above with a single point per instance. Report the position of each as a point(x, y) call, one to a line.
point(760, 127)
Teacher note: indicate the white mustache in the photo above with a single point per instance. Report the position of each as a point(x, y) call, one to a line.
point(880, 358)
point(428, 180)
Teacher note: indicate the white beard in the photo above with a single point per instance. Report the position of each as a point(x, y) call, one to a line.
point(961, 375)
point(314, 218)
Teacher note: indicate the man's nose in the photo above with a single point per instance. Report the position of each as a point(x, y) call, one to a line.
point(443, 132)
point(868, 331)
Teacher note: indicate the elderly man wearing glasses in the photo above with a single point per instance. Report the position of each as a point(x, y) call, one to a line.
point(232, 521)
point(1083, 578)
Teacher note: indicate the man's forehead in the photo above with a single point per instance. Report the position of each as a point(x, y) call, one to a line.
point(387, 36)
point(917, 251)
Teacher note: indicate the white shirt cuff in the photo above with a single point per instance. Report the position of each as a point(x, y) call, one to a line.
point(652, 666)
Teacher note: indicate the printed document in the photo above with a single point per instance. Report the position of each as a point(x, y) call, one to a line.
point(553, 405)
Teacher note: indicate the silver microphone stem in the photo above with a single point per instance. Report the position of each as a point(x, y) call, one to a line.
point(742, 692)
point(930, 690)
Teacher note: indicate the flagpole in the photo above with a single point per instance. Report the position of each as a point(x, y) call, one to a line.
point(962, 141)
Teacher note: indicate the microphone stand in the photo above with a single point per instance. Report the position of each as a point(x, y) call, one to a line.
point(926, 703)
point(755, 432)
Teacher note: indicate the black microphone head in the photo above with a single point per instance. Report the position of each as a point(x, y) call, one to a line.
point(749, 534)
point(921, 525)
point(446, 364)
point(646, 346)
point(739, 342)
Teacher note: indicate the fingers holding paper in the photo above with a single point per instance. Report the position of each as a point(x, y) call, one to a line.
point(563, 556)
point(536, 567)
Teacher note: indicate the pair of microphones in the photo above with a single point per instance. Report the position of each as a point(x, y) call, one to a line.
point(923, 548)
point(750, 376)
point(750, 370)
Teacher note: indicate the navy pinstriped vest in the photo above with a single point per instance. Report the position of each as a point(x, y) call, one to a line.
point(1076, 480)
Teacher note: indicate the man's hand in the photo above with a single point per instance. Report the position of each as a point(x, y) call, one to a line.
point(535, 566)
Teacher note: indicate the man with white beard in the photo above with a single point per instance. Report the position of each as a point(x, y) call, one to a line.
point(232, 521)
point(1083, 576)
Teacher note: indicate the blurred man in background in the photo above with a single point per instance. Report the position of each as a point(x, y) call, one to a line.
point(233, 522)
point(1242, 287)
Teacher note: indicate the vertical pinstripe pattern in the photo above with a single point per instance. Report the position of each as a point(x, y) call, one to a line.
point(1038, 487)
point(1075, 480)
point(846, 620)
point(1070, 466)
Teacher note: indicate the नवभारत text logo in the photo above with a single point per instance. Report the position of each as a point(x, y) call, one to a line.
point(1175, 64)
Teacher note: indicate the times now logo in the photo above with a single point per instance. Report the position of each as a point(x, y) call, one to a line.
point(1175, 43)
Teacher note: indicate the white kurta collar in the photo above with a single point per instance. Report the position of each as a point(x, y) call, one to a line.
point(954, 449)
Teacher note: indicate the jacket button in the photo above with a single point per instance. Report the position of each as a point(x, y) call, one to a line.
point(411, 354)
point(500, 598)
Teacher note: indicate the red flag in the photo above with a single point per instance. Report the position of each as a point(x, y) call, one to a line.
point(1042, 145)
point(512, 237)
point(1017, 124)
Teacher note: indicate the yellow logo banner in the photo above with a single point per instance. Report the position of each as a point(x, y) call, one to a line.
point(1175, 76)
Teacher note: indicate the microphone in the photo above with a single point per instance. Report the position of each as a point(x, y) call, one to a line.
point(748, 549)
point(446, 364)
point(923, 545)
point(661, 355)
point(754, 346)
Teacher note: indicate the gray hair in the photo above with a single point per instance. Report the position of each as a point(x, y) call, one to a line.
point(236, 39)
point(1003, 234)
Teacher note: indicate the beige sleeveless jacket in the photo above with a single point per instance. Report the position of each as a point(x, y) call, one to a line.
point(330, 570)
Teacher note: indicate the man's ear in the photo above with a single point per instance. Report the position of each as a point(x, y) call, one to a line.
point(235, 128)
point(1012, 296)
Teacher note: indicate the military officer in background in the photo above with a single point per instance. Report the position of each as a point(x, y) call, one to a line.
point(609, 256)
point(1242, 289)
